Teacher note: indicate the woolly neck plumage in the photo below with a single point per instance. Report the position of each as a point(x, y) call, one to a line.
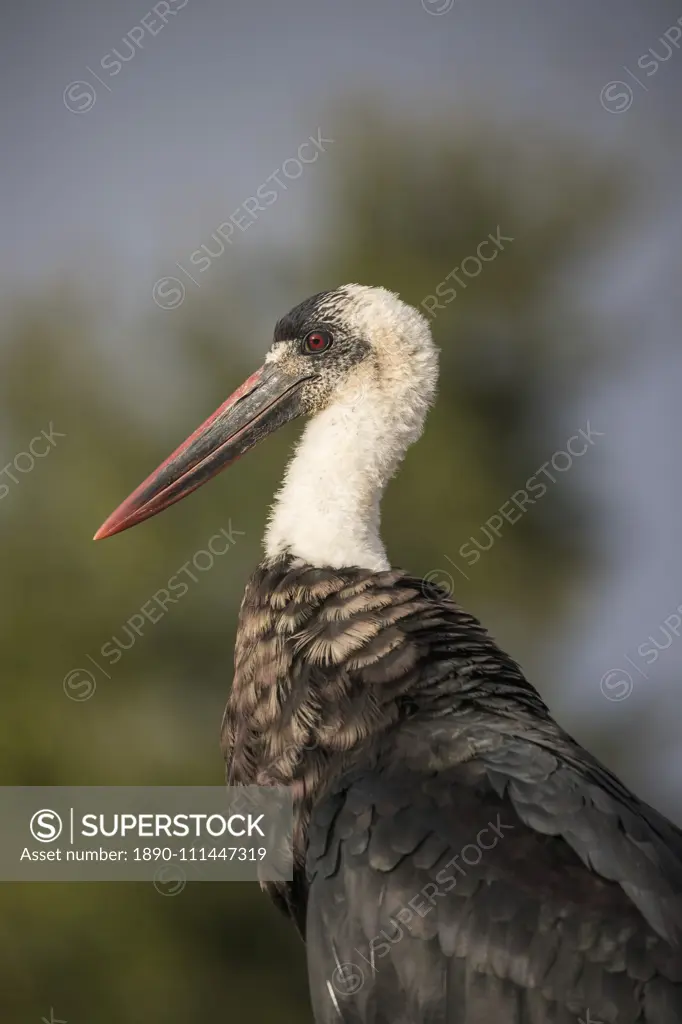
point(327, 511)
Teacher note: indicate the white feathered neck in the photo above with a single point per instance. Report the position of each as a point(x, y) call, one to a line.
point(327, 511)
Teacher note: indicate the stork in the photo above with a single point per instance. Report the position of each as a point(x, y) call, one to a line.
point(458, 858)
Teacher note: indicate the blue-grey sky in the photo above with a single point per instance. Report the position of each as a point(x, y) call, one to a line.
point(215, 99)
point(149, 160)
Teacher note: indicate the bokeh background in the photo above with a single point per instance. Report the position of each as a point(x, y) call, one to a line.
point(558, 125)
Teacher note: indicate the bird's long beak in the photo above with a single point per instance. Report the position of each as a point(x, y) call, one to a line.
point(269, 398)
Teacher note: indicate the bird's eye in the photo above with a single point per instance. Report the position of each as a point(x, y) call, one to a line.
point(316, 342)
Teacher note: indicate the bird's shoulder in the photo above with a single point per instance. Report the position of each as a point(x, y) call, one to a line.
point(448, 775)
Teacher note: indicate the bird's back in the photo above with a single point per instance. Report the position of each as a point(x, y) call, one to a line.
point(458, 858)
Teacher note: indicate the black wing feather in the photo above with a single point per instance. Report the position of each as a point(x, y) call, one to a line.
point(572, 920)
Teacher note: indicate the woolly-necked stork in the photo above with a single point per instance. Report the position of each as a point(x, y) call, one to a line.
point(459, 859)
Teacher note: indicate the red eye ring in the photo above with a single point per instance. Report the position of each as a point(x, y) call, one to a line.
point(316, 342)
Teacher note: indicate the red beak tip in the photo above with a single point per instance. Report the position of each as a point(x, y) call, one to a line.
point(108, 529)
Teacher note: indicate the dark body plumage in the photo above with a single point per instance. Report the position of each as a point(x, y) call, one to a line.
point(459, 859)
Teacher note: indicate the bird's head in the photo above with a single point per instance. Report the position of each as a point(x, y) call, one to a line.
point(345, 347)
